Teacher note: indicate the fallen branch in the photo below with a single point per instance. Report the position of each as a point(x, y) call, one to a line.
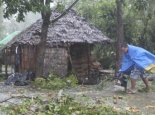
point(65, 12)
point(17, 96)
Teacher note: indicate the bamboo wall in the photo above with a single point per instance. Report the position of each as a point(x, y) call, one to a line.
point(56, 61)
point(8, 56)
point(28, 59)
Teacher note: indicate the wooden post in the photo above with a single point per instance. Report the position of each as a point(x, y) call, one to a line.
point(29, 54)
point(6, 67)
point(70, 64)
point(88, 54)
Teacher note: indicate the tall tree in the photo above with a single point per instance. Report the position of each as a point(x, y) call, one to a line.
point(145, 9)
point(120, 31)
point(21, 7)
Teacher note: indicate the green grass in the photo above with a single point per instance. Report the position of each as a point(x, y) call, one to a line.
point(54, 82)
point(64, 106)
point(153, 86)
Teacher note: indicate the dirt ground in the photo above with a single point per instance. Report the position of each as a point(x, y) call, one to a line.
point(105, 93)
point(141, 103)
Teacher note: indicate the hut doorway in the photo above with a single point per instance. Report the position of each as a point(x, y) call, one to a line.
point(84, 64)
point(80, 55)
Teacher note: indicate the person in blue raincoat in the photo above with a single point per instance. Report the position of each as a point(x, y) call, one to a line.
point(137, 62)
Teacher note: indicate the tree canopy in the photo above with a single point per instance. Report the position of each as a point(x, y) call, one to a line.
point(138, 22)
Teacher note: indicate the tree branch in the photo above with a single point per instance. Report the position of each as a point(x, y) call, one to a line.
point(65, 12)
point(17, 96)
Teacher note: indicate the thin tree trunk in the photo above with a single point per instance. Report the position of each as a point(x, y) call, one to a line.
point(44, 31)
point(42, 44)
point(120, 32)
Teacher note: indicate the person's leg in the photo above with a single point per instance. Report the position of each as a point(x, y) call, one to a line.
point(133, 77)
point(146, 82)
point(132, 90)
point(133, 84)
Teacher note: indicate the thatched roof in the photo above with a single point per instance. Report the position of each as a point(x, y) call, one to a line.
point(69, 29)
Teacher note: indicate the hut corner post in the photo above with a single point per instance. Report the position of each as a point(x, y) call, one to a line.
point(6, 66)
point(88, 59)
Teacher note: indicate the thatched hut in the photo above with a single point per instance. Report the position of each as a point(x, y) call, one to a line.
point(69, 44)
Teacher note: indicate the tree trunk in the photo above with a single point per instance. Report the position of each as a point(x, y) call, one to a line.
point(42, 44)
point(44, 31)
point(120, 32)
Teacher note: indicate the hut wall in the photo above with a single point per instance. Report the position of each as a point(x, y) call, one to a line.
point(56, 61)
point(80, 55)
point(28, 59)
point(8, 56)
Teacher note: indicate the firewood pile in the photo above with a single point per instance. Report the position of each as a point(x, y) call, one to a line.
point(87, 71)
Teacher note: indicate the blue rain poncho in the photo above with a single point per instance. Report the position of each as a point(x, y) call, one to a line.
point(138, 57)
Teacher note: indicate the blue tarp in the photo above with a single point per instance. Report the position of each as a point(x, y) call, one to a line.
point(138, 57)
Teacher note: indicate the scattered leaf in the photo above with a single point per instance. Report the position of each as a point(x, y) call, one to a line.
point(132, 109)
point(150, 106)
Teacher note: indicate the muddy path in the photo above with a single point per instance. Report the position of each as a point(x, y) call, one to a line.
point(16, 94)
point(141, 103)
point(106, 93)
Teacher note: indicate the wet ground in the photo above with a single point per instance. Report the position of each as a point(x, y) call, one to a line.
point(141, 103)
point(106, 93)
point(12, 95)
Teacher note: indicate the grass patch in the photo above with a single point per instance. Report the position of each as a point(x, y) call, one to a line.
point(2, 77)
point(64, 106)
point(153, 86)
point(54, 82)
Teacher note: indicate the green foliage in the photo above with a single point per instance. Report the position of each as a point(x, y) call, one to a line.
point(21, 7)
point(153, 86)
point(71, 80)
point(19, 109)
point(55, 82)
point(100, 13)
point(105, 55)
point(60, 7)
point(2, 77)
point(64, 106)
point(138, 17)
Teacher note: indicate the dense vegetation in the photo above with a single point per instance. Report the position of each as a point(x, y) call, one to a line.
point(55, 82)
point(63, 106)
point(139, 26)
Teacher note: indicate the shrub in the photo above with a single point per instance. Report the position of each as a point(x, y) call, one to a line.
point(65, 106)
point(71, 80)
point(2, 77)
point(55, 82)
